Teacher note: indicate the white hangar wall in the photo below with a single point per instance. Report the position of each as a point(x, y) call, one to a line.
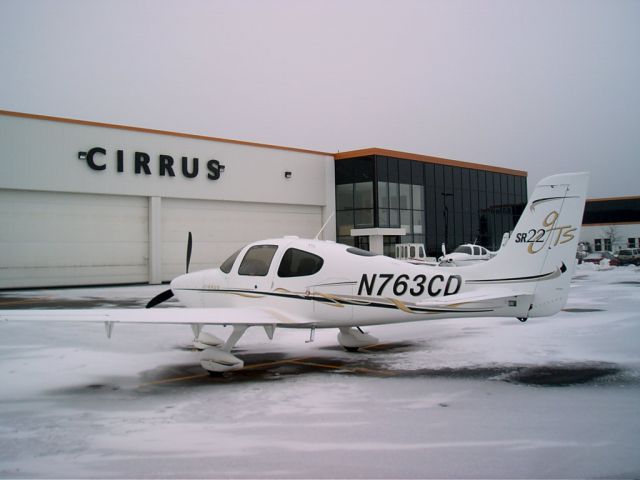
point(624, 236)
point(109, 218)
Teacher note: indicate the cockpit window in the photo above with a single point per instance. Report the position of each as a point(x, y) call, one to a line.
point(362, 253)
point(298, 263)
point(463, 249)
point(257, 260)
point(227, 265)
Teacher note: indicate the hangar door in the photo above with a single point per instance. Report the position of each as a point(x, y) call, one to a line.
point(50, 239)
point(219, 228)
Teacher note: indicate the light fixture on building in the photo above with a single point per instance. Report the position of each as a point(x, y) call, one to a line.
point(287, 174)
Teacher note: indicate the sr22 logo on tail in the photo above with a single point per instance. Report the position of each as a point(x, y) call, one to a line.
point(544, 236)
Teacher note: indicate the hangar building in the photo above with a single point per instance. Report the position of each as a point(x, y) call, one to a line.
point(86, 203)
point(610, 224)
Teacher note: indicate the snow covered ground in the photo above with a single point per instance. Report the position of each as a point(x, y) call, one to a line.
point(554, 397)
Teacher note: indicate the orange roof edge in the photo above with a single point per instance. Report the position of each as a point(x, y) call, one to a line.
point(427, 159)
point(158, 132)
point(609, 199)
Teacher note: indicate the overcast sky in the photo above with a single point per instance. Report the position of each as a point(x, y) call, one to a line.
point(541, 86)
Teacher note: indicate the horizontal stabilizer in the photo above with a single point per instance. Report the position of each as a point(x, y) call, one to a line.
point(475, 296)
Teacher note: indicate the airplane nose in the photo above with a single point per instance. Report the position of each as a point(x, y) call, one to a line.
point(181, 281)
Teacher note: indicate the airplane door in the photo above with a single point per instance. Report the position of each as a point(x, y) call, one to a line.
point(331, 299)
point(254, 272)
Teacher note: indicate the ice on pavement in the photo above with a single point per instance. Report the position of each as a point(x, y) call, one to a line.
point(486, 397)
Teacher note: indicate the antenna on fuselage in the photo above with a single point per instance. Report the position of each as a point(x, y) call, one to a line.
point(324, 226)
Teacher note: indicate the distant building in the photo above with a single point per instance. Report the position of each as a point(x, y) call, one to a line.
point(610, 224)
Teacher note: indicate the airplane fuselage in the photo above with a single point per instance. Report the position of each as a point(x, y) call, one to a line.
point(383, 290)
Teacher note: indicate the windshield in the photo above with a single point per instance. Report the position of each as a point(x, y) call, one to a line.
point(463, 249)
point(227, 265)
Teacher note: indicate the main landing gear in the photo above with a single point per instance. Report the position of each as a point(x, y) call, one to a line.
point(352, 339)
point(216, 354)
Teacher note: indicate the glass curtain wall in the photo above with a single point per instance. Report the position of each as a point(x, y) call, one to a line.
point(354, 197)
point(434, 203)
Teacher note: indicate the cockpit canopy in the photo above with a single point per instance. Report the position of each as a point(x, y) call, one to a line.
point(257, 261)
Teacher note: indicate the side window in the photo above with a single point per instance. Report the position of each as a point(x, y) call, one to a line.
point(298, 263)
point(476, 250)
point(228, 263)
point(257, 260)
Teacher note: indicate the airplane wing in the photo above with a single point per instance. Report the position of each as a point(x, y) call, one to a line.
point(191, 316)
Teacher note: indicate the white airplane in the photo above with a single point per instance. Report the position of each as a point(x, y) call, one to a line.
point(308, 284)
point(468, 254)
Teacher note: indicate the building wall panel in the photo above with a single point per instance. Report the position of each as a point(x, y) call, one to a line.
point(51, 238)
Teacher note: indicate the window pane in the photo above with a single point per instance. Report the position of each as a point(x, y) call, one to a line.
point(364, 218)
point(418, 222)
point(383, 194)
point(344, 196)
point(404, 171)
point(381, 168)
point(405, 196)
point(383, 217)
point(394, 201)
point(418, 193)
point(405, 220)
point(345, 222)
point(364, 195)
point(298, 263)
point(394, 218)
point(346, 240)
point(257, 260)
point(228, 263)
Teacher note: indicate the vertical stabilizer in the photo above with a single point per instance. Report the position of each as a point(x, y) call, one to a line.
point(540, 254)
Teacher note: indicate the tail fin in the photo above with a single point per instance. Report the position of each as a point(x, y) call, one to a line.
point(540, 254)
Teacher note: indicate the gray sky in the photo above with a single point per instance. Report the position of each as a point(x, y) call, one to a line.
point(541, 86)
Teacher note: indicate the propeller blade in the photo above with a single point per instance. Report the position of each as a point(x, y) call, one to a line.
point(161, 297)
point(189, 246)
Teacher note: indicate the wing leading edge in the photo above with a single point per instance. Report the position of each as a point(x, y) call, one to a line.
point(176, 316)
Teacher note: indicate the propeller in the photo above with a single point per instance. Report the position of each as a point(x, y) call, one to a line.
point(189, 246)
point(167, 294)
point(161, 297)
